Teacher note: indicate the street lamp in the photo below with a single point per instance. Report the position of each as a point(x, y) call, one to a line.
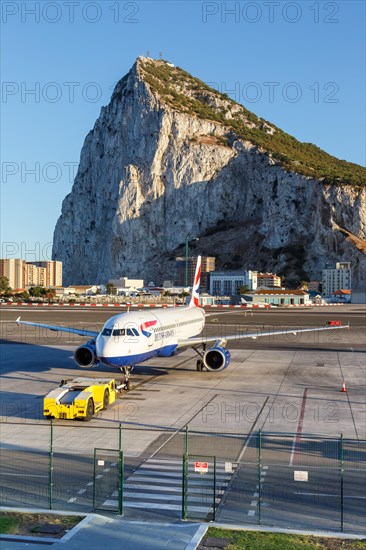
point(187, 241)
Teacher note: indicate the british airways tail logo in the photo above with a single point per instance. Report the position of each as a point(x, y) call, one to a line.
point(196, 287)
point(145, 326)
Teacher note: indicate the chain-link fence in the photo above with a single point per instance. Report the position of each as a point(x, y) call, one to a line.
point(288, 480)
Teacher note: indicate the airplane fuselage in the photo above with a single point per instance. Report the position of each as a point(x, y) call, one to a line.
point(130, 338)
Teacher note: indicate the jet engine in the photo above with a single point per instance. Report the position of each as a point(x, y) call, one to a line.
point(216, 358)
point(85, 356)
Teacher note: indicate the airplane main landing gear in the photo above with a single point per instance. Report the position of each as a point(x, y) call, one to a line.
point(200, 364)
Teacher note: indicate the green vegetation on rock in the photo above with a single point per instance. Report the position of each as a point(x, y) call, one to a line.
point(186, 94)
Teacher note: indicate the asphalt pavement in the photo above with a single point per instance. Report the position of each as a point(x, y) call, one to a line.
point(278, 385)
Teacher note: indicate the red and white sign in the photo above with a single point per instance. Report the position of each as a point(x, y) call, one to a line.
point(201, 467)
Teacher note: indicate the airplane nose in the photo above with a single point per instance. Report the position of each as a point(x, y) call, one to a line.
point(100, 347)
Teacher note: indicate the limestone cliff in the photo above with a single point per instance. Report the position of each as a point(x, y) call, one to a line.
point(157, 167)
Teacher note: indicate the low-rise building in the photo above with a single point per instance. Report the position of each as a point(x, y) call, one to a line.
point(281, 297)
point(124, 283)
point(342, 295)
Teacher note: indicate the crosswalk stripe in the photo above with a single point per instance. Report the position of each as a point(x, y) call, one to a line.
point(162, 467)
point(157, 484)
point(156, 506)
point(176, 473)
point(175, 489)
point(162, 481)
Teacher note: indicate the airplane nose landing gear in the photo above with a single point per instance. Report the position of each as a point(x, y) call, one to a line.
point(126, 384)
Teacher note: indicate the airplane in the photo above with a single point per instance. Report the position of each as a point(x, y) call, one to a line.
point(130, 338)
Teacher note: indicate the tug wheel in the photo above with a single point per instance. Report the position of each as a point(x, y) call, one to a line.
point(106, 399)
point(89, 410)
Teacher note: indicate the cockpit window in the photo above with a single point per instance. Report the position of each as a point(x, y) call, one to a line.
point(118, 332)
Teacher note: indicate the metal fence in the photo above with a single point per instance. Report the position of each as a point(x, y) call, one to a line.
point(272, 479)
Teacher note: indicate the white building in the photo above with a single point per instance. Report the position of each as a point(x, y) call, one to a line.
point(281, 297)
point(337, 278)
point(126, 286)
point(228, 282)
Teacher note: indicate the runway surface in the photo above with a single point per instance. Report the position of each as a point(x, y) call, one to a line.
point(289, 384)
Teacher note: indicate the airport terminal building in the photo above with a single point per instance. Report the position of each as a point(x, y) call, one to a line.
point(281, 297)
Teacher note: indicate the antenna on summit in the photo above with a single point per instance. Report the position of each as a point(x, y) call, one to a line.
point(148, 53)
point(161, 55)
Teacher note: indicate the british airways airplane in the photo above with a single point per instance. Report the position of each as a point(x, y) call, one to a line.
point(130, 338)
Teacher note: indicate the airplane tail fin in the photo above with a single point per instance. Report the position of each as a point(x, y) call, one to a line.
point(196, 284)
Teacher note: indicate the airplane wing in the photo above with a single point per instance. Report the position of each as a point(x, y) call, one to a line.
point(56, 328)
point(192, 342)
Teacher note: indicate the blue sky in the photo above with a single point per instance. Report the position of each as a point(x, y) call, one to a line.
point(300, 65)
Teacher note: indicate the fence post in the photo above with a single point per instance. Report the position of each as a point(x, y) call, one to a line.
point(120, 436)
point(259, 476)
point(214, 491)
point(120, 482)
point(341, 470)
point(51, 463)
point(121, 471)
point(94, 477)
point(185, 477)
point(184, 486)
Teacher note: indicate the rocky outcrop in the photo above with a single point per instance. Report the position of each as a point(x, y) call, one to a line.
point(150, 175)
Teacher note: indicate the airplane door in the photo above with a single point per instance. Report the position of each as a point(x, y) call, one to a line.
point(147, 330)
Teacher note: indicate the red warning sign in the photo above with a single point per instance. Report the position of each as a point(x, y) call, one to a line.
point(201, 467)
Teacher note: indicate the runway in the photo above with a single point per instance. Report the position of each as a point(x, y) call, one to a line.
point(33, 361)
point(279, 385)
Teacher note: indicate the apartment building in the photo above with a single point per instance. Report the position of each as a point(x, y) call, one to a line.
point(186, 269)
point(269, 280)
point(14, 270)
point(35, 276)
point(22, 274)
point(53, 272)
point(337, 278)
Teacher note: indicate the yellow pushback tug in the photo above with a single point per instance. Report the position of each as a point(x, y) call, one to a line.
point(81, 398)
